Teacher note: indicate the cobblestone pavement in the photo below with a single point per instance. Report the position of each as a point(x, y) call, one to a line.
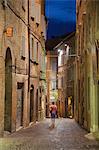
point(67, 135)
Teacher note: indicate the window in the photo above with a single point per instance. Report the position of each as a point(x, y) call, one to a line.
point(23, 5)
point(61, 81)
point(53, 85)
point(32, 48)
point(37, 51)
point(62, 59)
point(53, 64)
point(22, 51)
point(38, 12)
point(33, 9)
point(97, 58)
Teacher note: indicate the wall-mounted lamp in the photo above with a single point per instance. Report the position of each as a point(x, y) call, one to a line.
point(65, 45)
point(9, 31)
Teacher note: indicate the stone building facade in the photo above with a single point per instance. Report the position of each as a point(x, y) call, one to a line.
point(37, 57)
point(87, 65)
point(51, 78)
point(22, 77)
point(66, 75)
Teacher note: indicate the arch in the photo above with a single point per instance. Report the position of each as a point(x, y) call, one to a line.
point(9, 47)
point(8, 91)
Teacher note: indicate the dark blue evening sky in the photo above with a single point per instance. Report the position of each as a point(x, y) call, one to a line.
point(61, 16)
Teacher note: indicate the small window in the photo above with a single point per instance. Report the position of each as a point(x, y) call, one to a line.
point(32, 48)
point(22, 51)
point(61, 81)
point(37, 51)
point(97, 58)
point(53, 64)
point(37, 13)
point(32, 9)
point(53, 85)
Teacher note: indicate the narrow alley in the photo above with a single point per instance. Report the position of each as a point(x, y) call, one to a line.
point(49, 68)
point(67, 135)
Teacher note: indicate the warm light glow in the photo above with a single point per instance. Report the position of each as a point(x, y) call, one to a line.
point(59, 50)
point(9, 32)
point(38, 1)
point(59, 57)
point(67, 50)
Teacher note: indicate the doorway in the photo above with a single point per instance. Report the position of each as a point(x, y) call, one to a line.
point(37, 105)
point(20, 97)
point(31, 104)
point(8, 91)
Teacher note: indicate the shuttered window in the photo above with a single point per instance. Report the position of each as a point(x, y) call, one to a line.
point(53, 85)
point(38, 13)
point(53, 64)
point(22, 51)
point(37, 48)
point(34, 51)
point(31, 48)
point(33, 8)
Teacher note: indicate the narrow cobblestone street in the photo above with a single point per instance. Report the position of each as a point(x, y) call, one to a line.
point(67, 135)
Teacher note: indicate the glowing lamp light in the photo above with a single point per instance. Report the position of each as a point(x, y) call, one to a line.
point(59, 50)
point(65, 45)
point(9, 31)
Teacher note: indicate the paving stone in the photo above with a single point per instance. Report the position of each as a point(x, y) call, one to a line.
point(67, 135)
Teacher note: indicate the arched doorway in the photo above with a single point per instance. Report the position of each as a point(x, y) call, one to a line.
point(31, 103)
point(8, 91)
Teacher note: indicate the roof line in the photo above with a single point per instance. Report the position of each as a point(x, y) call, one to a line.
point(67, 37)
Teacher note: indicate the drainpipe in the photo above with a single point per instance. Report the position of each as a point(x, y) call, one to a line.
point(28, 47)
